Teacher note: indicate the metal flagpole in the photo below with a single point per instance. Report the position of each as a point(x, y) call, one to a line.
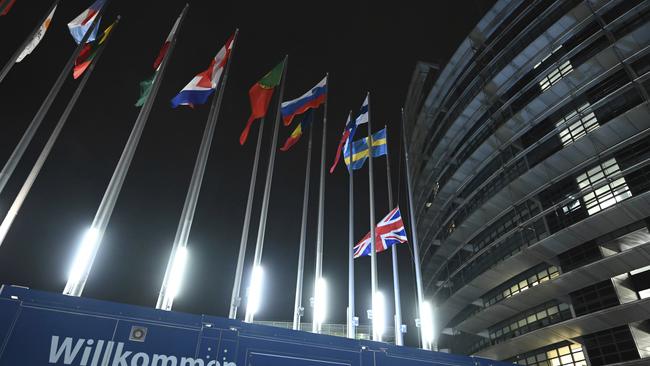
point(373, 257)
point(267, 186)
point(350, 319)
point(36, 169)
point(166, 295)
point(298, 309)
point(321, 213)
point(75, 286)
point(235, 300)
point(12, 61)
point(398, 304)
point(19, 150)
point(414, 232)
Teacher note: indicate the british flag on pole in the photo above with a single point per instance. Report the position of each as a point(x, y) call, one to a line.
point(389, 231)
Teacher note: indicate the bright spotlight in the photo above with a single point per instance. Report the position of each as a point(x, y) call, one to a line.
point(178, 269)
point(84, 255)
point(378, 315)
point(426, 322)
point(255, 291)
point(320, 302)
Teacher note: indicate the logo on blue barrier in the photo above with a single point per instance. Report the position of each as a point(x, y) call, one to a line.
point(102, 352)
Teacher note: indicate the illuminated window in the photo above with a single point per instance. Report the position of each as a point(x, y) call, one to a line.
point(571, 206)
point(451, 227)
point(556, 75)
point(577, 124)
point(556, 355)
point(531, 280)
point(608, 194)
point(546, 314)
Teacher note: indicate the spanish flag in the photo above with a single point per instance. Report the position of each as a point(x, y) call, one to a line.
point(297, 132)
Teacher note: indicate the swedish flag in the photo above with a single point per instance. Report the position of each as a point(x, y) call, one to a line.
point(360, 149)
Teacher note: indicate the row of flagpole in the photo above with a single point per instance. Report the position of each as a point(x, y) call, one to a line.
point(90, 245)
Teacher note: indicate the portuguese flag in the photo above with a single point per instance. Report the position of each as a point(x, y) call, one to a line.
point(260, 95)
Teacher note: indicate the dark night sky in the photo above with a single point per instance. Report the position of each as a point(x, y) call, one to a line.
point(365, 45)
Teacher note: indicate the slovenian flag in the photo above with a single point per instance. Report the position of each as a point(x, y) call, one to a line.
point(311, 99)
point(82, 23)
point(204, 84)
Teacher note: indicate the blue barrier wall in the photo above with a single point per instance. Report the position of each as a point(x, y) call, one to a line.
point(40, 328)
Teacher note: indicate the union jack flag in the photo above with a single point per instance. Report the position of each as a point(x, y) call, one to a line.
point(389, 231)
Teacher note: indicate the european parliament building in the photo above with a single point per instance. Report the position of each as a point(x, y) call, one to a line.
point(530, 156)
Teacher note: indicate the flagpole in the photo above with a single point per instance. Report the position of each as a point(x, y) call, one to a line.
point(75, 286)
point(19, 150)
point(166, 297)
point(414, 233)
point(373, 255)
point(316, 326)
point(350, 312)
point(399, 341)
point(36, 169)
point(257, 260)
point(235, 299)
point(12, 61)
point(298, 309)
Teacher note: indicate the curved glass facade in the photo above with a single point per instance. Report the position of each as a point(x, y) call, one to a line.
point(531, 173)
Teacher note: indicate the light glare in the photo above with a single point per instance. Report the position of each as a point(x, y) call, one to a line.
point(84, 255)
point(426, 322)
point(178, 269)
point(378, 315)
point(320, 302)
point(255, 290)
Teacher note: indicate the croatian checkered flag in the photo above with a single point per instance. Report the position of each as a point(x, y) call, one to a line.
point(389, 231)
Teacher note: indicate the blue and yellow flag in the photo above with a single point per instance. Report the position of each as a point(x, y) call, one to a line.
point(360, 149)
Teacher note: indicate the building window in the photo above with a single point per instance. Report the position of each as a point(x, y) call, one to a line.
point(556, 355)
point(530, 320)
point(599, 296)
point(572, 206)
point(608, 194)
point(522, 283)
point(556, 74)
point(611, 346)
point(577, 124)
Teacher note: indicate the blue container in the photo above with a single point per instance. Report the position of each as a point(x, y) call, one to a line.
point(40, 328)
